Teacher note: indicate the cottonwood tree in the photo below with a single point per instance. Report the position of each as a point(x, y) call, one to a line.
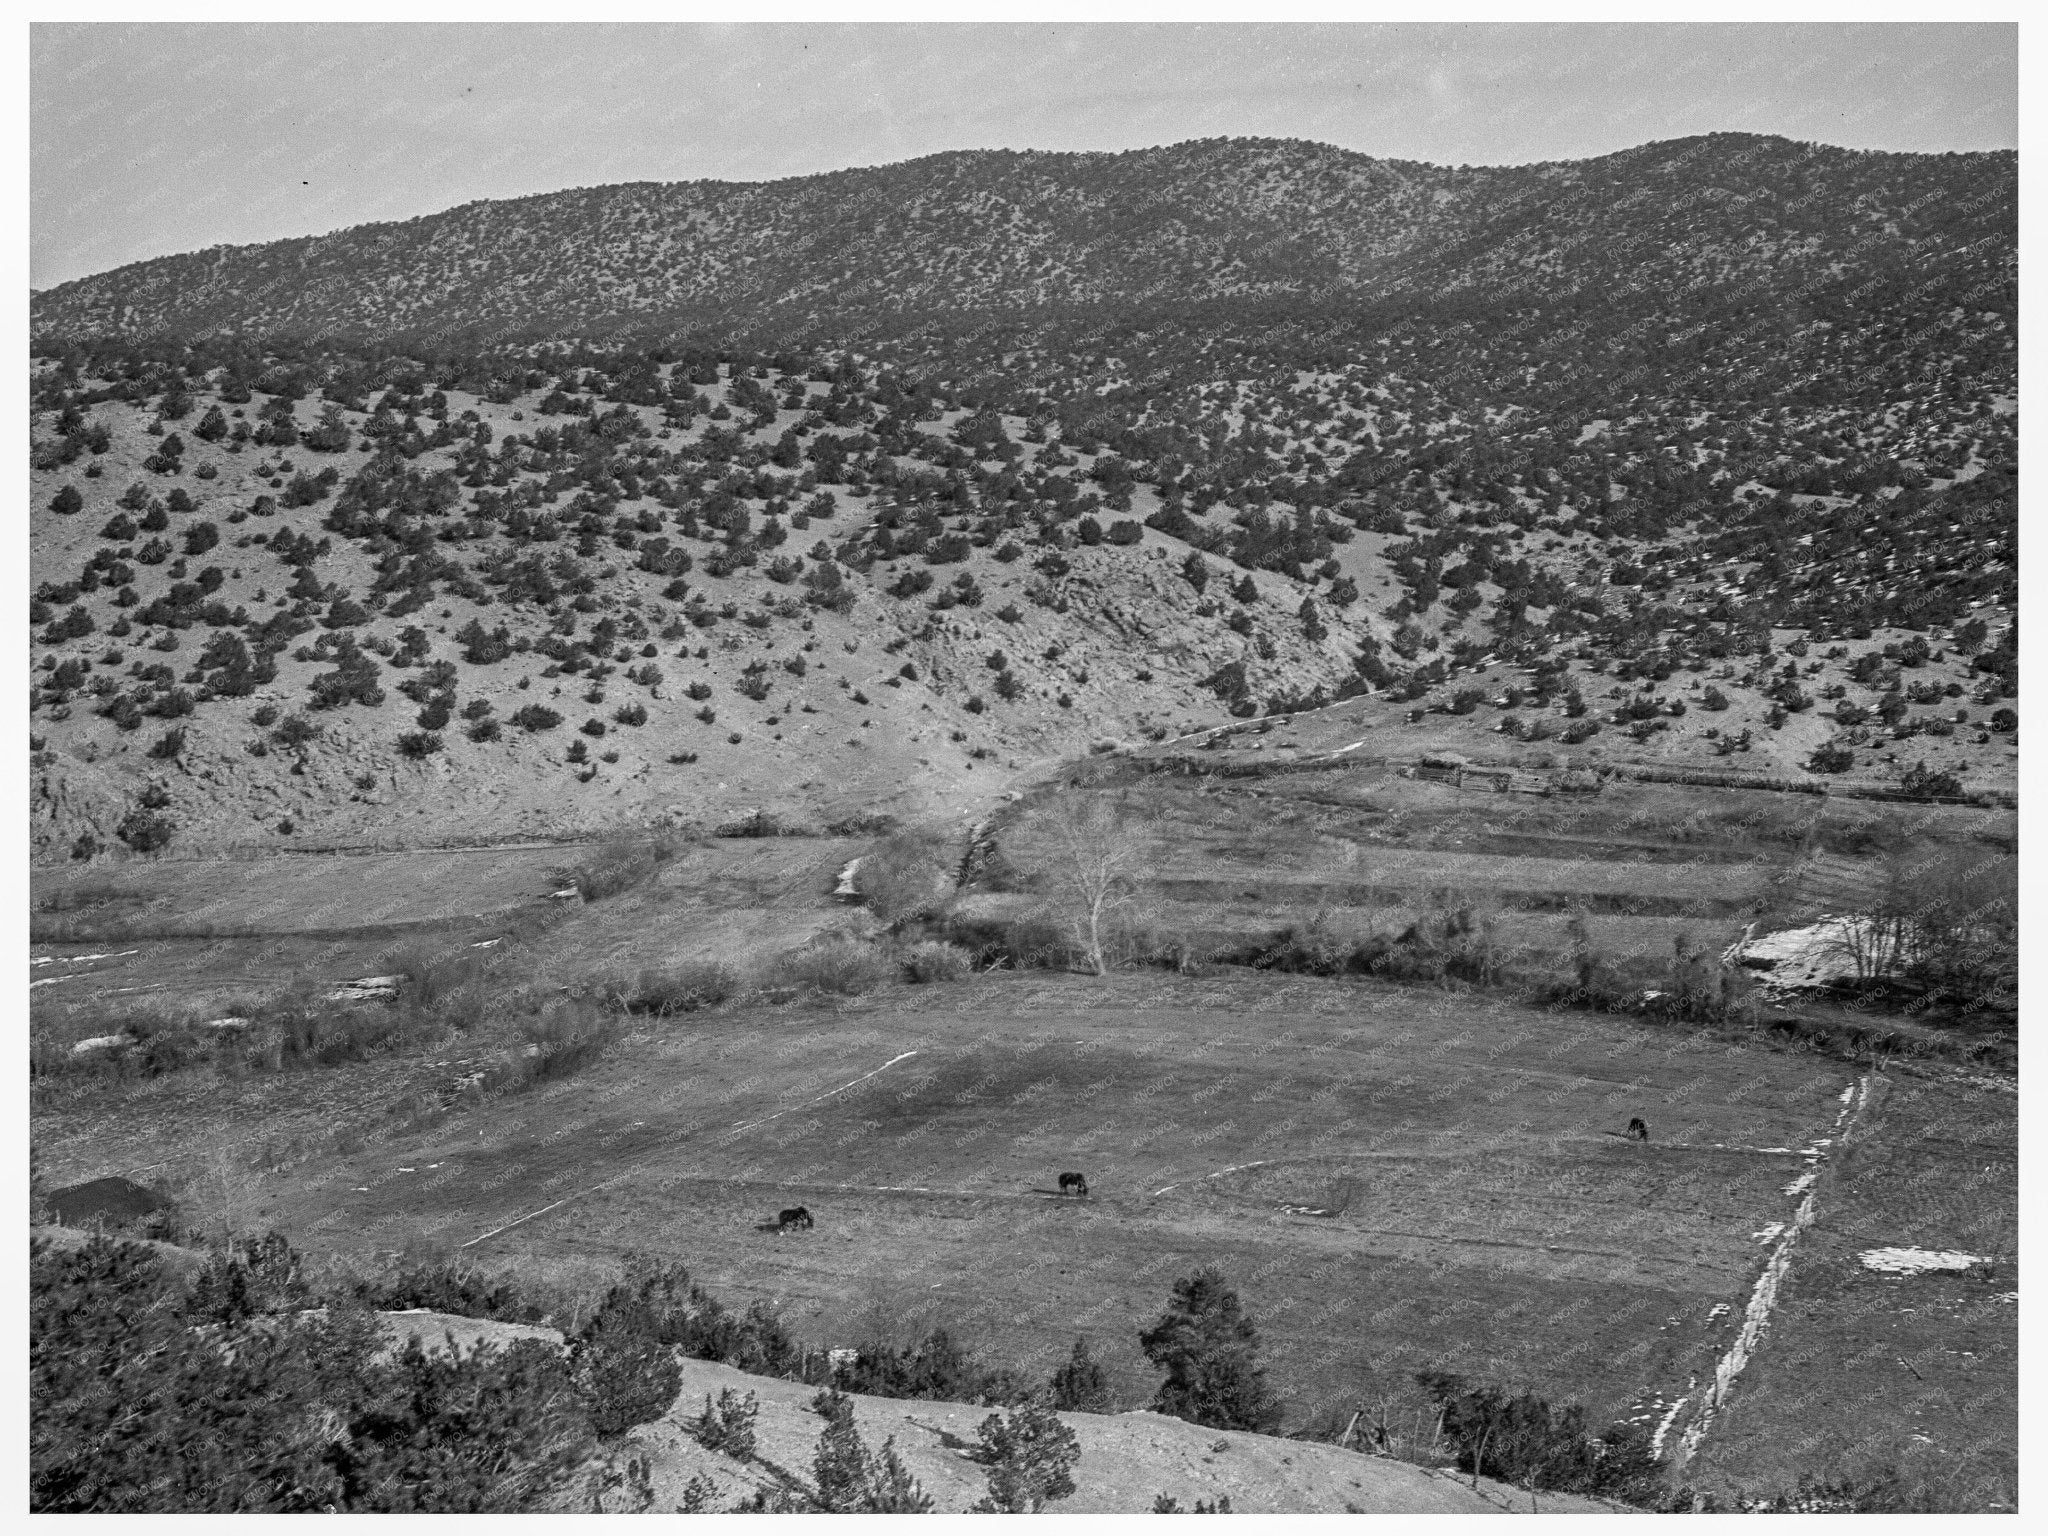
point(1092, 854)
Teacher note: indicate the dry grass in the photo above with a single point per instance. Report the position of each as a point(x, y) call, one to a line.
point(324, 893)
point(1480, 1221)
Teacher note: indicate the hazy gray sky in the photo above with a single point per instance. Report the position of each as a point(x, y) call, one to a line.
point(154, 138)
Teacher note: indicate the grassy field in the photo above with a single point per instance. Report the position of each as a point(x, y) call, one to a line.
point(299, 894)
point(1395, 1177)
point(1362, 849)
point(213, 937)
point(1864, 1369)
point(1492, 1219)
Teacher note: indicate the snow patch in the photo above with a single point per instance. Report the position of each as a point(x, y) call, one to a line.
point(1817, 955)
point(366, 987)
point(1664, 1427)
point(846, 890)
point(1917, 1261)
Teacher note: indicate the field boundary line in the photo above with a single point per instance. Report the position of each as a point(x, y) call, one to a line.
point(1763, 1297)
point(807, 1103)
point(528, 1217)
point(1204, 1178)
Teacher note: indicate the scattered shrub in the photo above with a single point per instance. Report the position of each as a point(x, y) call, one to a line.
point(851, 1480)
point(419, 745)
point(1523, 1441)
point(624, 1376)
point(842, 966)
point(145, 830)
point(905, 878)
point(1080, 1386)
point(727, 1425)
point(623, 862)
point(1831, 757)
point(682, 987)
point(935, 960)
point(1030, 1456)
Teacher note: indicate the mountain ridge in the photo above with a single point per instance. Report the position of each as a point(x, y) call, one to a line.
point(1025, 232)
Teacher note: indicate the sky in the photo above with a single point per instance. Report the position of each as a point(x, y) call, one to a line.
point(149, 139)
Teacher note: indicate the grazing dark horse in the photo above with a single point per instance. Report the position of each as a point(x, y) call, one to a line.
point(795, 1216)
point(1637, 1131)
point(1073, 1184)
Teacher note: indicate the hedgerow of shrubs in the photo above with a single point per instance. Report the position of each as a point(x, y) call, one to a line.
point(935, 960)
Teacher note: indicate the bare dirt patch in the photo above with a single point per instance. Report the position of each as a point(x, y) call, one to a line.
point(1127, 1459)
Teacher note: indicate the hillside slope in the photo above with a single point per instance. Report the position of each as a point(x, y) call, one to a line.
point(1757, 223)
point(1127, 1459)
point(1709, 446)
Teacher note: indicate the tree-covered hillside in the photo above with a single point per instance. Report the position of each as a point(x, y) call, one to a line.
point(973, 462)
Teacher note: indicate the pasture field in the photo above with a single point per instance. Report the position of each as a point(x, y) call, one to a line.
point(724, 898)
point(1362, 850)
point(1489, 1217)
point(211, 937)
point(81, 989)
point(1627, 821)
point(312, 893)
point(333, 893)
point(1864, 1369)
point(1395, 1177)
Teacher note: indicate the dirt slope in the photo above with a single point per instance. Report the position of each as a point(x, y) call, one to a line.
point(1127, 1459)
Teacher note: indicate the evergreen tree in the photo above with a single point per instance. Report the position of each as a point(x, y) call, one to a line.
point(1080, 1386)
point(1030, 1456)
point(1207, 1347)
point(1312, 620)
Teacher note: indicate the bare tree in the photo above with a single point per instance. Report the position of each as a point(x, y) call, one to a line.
point(1878, 941)
point(1092, 857)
